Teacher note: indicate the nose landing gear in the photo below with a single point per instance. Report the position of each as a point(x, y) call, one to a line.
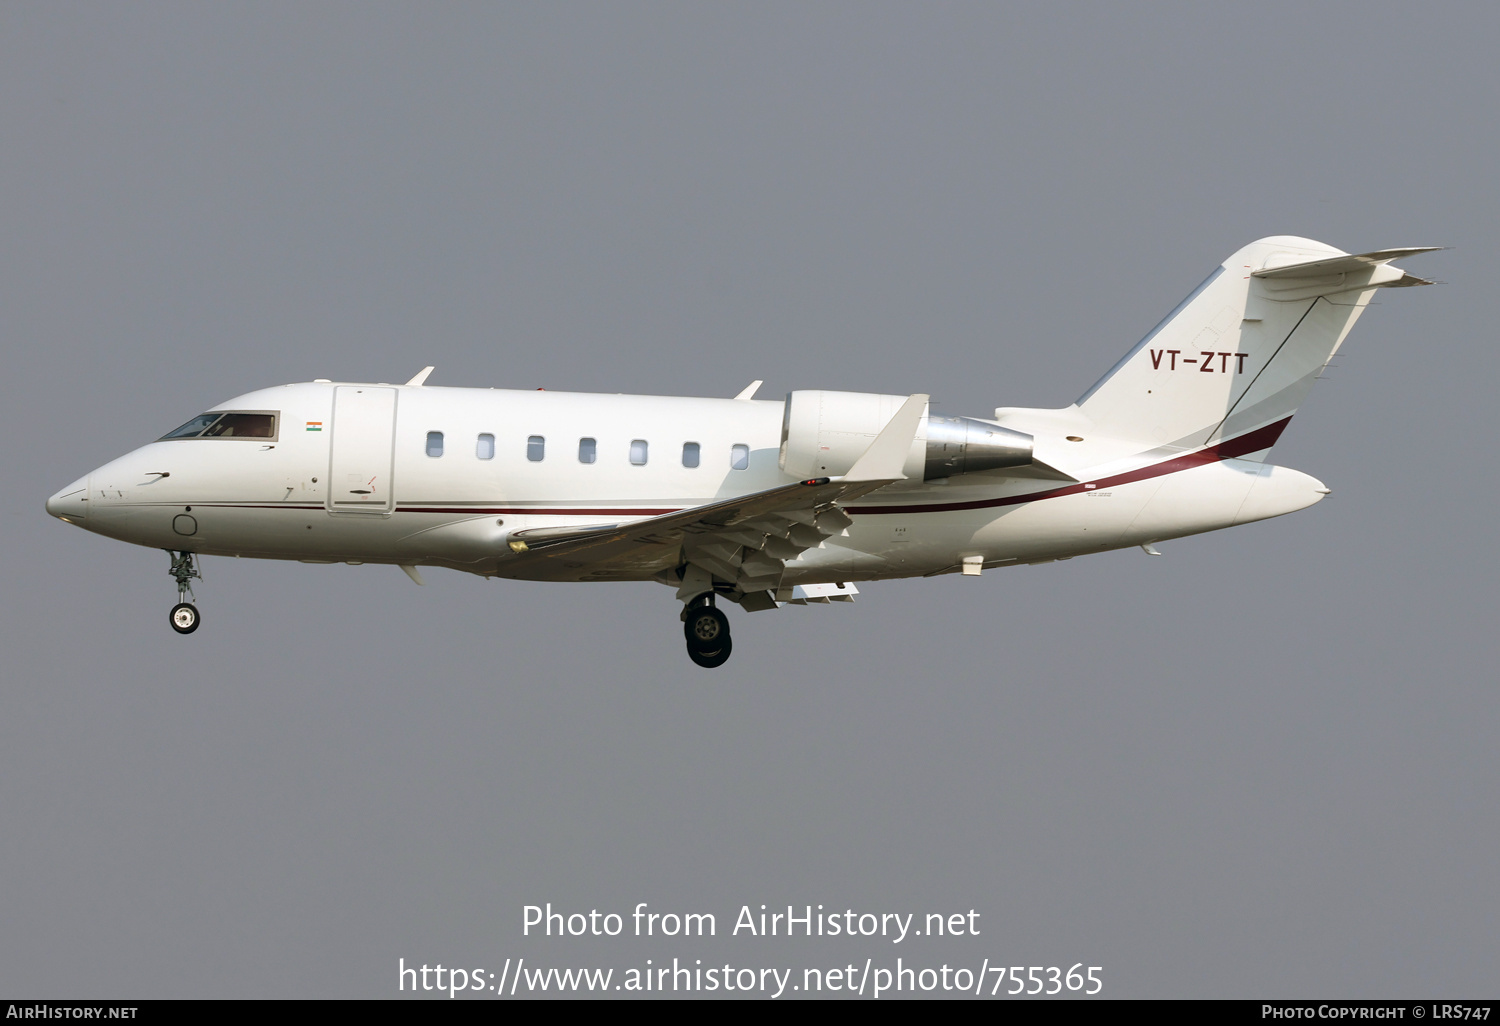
point(707, 631)
point(185, 617)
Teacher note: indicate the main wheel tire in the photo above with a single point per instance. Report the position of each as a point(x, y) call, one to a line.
point(715, 657)
point(185, 618)
point(706, 629)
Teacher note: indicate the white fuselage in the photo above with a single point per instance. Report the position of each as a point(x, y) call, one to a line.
point(351, 484)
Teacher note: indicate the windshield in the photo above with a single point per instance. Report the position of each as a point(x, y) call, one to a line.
point(227, 425)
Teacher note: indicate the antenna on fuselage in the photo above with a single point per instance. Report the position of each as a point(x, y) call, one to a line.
point(420, 376)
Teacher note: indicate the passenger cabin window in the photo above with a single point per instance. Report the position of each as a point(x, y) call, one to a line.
point(739, 457)
point(536, 448)
point(434, 444)
point(588, 450)
point(638, 452)
point(689, 454)
point(227, 425)
point(484, 448)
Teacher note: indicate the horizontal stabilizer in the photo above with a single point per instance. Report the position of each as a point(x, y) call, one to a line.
point(1348, 263)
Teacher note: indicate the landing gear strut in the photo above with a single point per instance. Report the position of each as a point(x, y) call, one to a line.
point(707, 631)
point(185, 617)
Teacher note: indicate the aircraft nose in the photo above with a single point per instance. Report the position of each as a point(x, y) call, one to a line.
point(72, 503)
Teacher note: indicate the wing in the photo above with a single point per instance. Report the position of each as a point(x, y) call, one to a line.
point(744, 541)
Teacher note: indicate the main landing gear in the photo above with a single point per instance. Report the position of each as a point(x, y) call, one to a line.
point(184, 614)
point(707, 632)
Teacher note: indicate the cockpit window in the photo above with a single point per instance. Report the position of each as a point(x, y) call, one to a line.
point(193, 428)
point(243, 425)
point(227, 425)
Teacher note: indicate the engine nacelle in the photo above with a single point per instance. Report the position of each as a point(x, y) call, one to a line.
point(824, 433)
point(963, 445)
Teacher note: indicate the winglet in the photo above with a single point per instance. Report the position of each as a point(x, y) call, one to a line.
point(420, 376)
point(748, 392)
point(886, 455)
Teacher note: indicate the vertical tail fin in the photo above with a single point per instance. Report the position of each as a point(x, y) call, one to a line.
point(1239, 355)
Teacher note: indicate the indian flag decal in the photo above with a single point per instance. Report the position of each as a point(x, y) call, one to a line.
point(315, 425)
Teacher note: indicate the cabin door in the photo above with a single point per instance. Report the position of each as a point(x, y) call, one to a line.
point(362, 450)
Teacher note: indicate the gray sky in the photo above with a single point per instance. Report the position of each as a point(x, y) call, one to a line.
point(1262, 765)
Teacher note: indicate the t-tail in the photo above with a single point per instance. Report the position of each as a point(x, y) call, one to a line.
point(1234, 361)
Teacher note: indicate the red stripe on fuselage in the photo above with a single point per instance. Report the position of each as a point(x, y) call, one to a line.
point(1260, 438)
point(543, 511)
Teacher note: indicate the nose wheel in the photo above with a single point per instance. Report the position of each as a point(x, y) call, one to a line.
point(707, 631)
point(185, 616)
